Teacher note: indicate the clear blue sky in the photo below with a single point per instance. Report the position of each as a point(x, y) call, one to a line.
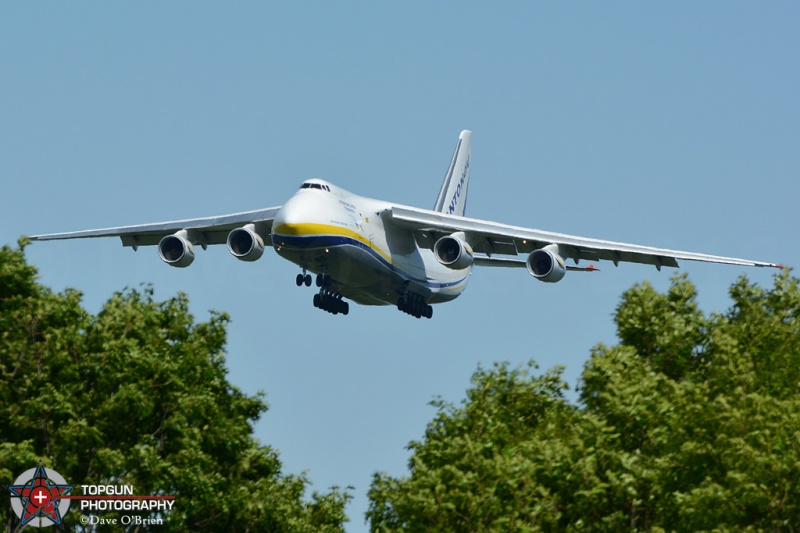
point(669, 124)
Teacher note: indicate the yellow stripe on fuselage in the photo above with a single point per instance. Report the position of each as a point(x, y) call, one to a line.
point(312, 229)
point(309, 228)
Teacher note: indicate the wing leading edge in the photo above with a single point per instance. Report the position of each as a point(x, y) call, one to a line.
point(204, 231)
point(491, 238)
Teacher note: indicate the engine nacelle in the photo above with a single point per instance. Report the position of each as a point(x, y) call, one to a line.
point(176, 250)
point(453, 252)
point(546, 265)
point(245, 244)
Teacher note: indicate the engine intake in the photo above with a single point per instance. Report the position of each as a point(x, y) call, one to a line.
point(176, 250)
point(245, 244)
point(453, 252)
point(546, 265)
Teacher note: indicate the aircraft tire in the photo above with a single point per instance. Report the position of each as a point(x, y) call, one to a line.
point(414, 306)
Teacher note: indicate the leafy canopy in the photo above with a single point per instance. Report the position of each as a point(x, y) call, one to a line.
point(690, 423)
point(138, 395)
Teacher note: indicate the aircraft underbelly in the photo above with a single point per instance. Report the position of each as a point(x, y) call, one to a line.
point(363, 276)
point(358, 275)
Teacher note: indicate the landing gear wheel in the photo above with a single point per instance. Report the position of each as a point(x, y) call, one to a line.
point(414, 305)
point(307, 280)
point(300, 279)
point(331, 302)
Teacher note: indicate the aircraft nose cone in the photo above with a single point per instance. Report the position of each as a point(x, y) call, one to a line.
point(291, 221)
point(289, 218)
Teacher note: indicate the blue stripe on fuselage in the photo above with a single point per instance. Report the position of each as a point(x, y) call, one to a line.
point(311, 242)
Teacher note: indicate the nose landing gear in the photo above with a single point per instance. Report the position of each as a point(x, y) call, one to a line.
point(328, 299)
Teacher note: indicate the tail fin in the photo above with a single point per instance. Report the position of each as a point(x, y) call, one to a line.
point(453, 196)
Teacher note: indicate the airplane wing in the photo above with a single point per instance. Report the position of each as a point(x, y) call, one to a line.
point(204, 231)
point(491, 239)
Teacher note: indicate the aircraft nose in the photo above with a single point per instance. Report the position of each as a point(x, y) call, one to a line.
point(289, 222)
point(290, 215)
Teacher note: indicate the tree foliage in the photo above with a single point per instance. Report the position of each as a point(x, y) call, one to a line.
point(690, 423)
point(138, 395)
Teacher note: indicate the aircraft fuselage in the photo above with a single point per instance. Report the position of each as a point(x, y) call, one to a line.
point(331, 232)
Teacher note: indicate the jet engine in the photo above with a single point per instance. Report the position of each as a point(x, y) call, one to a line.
point(453, 252)
point(245, 244)
point(546, 265)
point(176, 250)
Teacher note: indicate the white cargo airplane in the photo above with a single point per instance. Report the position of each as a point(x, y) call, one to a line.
point(378, 253)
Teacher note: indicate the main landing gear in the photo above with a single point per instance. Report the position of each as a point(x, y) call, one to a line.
point(328, 299)
point(414, 305)
point(331, 302)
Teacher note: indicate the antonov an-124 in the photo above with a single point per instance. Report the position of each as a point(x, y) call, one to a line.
point(378, 253)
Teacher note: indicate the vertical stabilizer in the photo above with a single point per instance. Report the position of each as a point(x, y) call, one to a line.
point(453, 196)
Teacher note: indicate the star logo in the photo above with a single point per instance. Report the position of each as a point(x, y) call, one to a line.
point(37, 493)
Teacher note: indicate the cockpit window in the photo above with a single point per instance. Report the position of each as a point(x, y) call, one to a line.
point(315, 186)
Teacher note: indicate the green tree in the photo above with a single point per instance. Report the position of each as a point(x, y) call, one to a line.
point(138, 395)
point(690, 423)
